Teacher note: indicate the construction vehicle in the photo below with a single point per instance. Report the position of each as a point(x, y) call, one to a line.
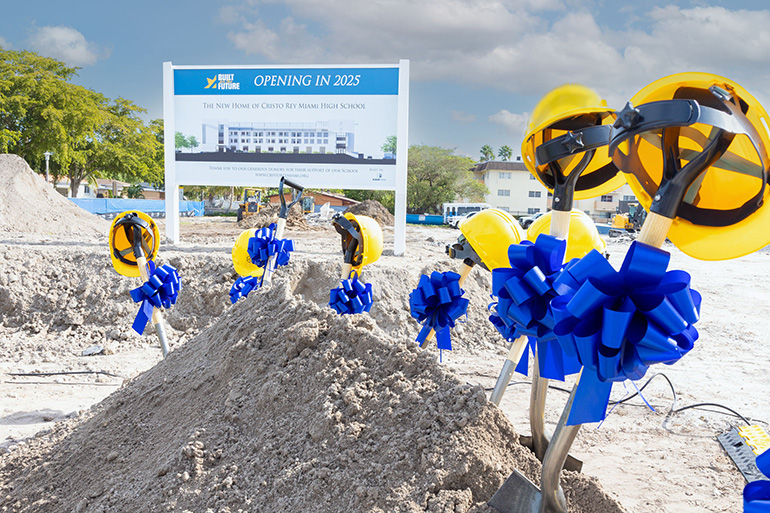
point(252, 203)
point(628, 220)
point(308, 204)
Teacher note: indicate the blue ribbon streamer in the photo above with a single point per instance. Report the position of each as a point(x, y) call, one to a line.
point(159, 291)
point(243, 286)
point(353, 297)
point(524, 293)
point(618, 323)
point(263, 245)
point(437, 303)
point(756, 495)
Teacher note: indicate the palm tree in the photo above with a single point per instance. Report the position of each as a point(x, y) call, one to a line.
point(487, 153)
point(505, 153)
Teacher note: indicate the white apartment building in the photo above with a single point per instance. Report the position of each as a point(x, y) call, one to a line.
point(514, 189)
point(603, 208)
point(511, 187)
point(274, 137)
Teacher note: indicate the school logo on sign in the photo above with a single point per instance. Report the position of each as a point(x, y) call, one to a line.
point(222, 81)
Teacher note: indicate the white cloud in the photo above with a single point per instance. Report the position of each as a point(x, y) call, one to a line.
point(462, 117)
point(5, 44)
point(521, 46)
point(65, 44)
point(513, 123)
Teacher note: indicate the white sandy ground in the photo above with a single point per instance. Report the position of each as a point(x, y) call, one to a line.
point(650, 462)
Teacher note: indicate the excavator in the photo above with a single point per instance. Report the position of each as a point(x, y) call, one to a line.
point(252, 203)
point(628, 223)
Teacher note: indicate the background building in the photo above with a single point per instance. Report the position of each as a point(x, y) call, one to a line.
point(514, 189)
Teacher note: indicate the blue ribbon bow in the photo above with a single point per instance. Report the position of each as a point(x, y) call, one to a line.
point(353, 297)
point(263, 245)
point(756, 495)
point(242, 286)
point(438, 303)
point(618, 323)
point(524, 292)
point(160, 291)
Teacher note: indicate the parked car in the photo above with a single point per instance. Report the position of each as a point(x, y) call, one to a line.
point(461, 219)
point(526, 221)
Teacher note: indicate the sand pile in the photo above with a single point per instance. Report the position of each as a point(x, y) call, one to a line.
point(282, 406)
point(373, 209)
point(29, 205)
point(269, 214)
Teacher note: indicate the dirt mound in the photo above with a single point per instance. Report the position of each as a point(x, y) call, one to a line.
point(283, 405)
point(373, 209)
point(29, 205)
point(269, 214)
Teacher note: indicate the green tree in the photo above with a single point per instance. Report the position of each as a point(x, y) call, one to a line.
point(487, 153)
point(192, 143)
point(39, 108)
point(89, 136)
point(436, 175)
point(118, 145)
point(390, 144)
point(505, 153)
point(180, 141)
point(134, 191)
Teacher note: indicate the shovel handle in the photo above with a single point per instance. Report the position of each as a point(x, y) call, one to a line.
point(654, 230)
point(511, 361)
point(654, 234)
point(346, 268)
point(465, 270)
point(157, 317)
point(560, 223)
point(267, 277)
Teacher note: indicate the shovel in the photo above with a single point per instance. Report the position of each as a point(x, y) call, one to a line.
point(518, 494)
point(141, 262)
point(283, 213)
point(563, 199)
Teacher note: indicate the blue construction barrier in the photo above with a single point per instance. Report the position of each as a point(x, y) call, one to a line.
point(424, 219)
point(155, 208)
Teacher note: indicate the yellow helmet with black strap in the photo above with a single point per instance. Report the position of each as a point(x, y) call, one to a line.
point(361, 239)
point(563, 144)
point(714, 124)
point(130, 232)
point(490, 233)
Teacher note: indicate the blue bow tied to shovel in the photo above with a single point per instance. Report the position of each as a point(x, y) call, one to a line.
point(160, 290)
point(524, 292)
point(352, 297)
point(756, 495)
point(618, 323)
point(263, 245)
point(437, 302)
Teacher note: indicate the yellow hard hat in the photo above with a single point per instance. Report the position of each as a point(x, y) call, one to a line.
point(490, 233)
point(241, 259)
point(569, 124)
point(583, 235)
point(722, 212)
point(366, 233)
point(128, 229)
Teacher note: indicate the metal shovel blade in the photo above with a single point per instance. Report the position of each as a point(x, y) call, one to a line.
point(517, 495)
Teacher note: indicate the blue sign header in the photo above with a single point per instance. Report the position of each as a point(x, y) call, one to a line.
point(289, 81)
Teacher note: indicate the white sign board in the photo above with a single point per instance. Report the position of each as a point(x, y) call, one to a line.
point(328, 127)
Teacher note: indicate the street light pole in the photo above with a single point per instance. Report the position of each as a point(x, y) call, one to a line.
point(47, 156)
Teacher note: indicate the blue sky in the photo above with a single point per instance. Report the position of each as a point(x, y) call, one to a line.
point(478, 67)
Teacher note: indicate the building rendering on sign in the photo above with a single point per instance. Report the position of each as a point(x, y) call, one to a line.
point(276, 137)
point(514, 189)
